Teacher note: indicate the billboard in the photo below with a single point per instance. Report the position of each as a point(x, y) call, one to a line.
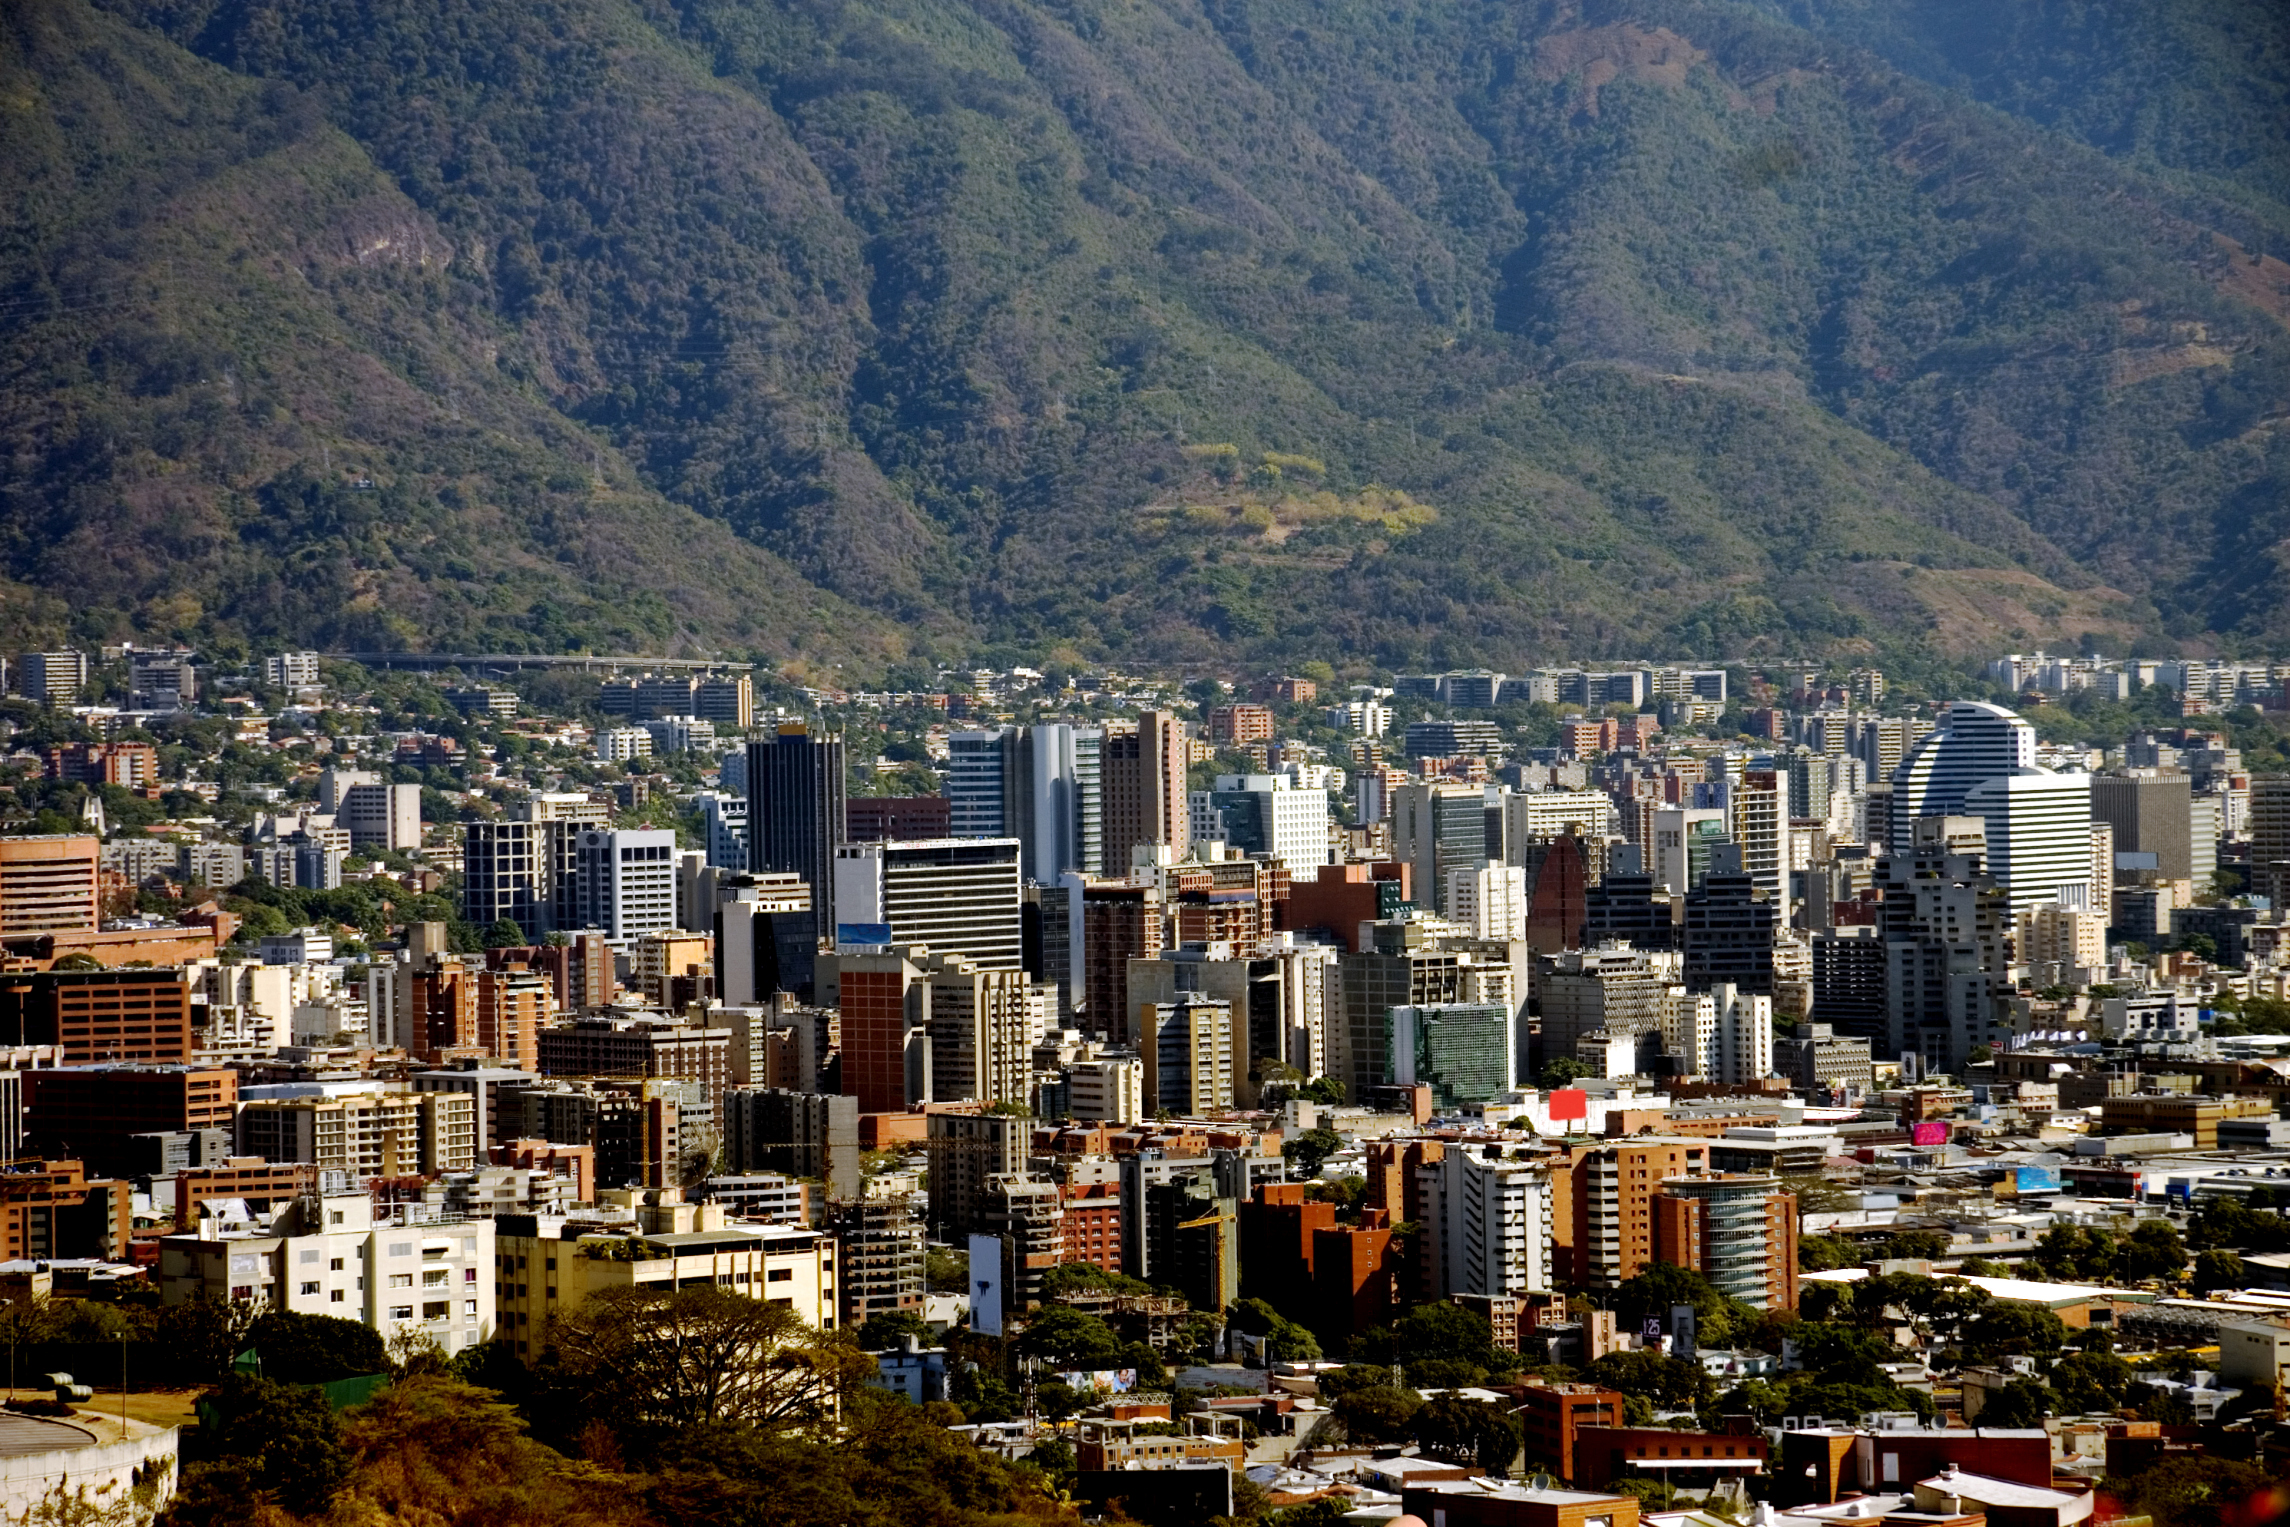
point(1569, 1103)
point(986, 1284)
point(1100, 1383)
point(875, 935)
point(1682, 1331)
point(1929, 1132)
point(2037, 1179)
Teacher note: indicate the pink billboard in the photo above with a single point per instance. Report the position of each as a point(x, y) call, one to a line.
point(1930, 1132)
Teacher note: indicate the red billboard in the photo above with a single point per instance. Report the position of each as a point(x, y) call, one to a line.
point(1569, 1103)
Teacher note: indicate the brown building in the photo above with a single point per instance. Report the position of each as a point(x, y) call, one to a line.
point(577, 1162)
point(1817, 1467)
point(1143, 780)
point(1093, 1224)
point(1693, 1460)
point(1552, 1415)
point(89, 1112)
point(48, 884)
point(1232, 725)
point(638, 1047)
point(1602, 1204)
point(1392, 1185)
point(1355, 1275)
point(259, 1182)
point(99, 1015)
point(1343, 896)
point(1740, 1230)
point(2178, 1114)
point(1470, 1504)
point(52, 1209)
point(130, 765)
point(895, 818)
point(122, 946)
point(1120, 922)
point(513, 1005)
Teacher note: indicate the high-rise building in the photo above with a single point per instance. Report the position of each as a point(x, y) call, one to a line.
point(1490, 899)
point(130, 1014)
point(1437, 829)
point(1744, 1037)
point(795, 791)
point(1271, 816)
point(803, 1134)
point(1120, 921)
point(2151, 811)
point(1406, 965)
point(1628, 906)
point(1610, 988)
point(983, 1025)
point(1729, 928)
point(1187, 1047)
point(627, 879)
point(48, 884)
point(1465, 1052)
point(1976, 742)
point(51, 677)
point(968, 1150)
point(1849, 991)
point(1532, 815)
point(1487, 1224)
point(1042, 785)
point(1684, 837)
point(1602, 1211)
point(723, 822)
point(2037, 827)
point(1144, 770)
point(381, 816)
point(2270, 836)
point(899, 819)
point(885, 1027)
point(1739, 1231)
point(1946, 926)
point(957, 895)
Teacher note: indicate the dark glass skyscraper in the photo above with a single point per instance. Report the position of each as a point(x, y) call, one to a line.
point(795, 812)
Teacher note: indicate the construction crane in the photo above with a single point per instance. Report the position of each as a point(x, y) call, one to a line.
point(1219, 1295)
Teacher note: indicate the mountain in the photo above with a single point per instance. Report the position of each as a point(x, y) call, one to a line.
point(1196, 331)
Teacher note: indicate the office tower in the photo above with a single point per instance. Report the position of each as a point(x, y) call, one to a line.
point(2037, 828)
point(1271, 816)
point(883, 1259)
point(1744, 1035)
point(1273, 995)
point(1812, 777)
point(2205, 827)
point(1683, 839)
point(507, 874)
point(2070, 937)
point(1486, 1226)
point(1144, 767)
point(2269, 837)
point(1628, 906)
point(627, 880)
point(1739, 1231)
point(1120, 921)
point(977, 774)
point(1849, 992)
point(729, 702)
point(161, 681)
point(1404, 965)
point(1881, 742)
point(1462, 1051)
point(51, 677)
point(957, 895)
point(1729, 928)
point(48, 884)
point(1560, 874)
point(1814, 1056)
point(1436, 829)
point(802, 1134)
point(795, 812)
point(1945, 924)
point(1489, 899)
point(1042, 785)
point(2150, 812)
point(1609, 989)
point(1976, 742)
point(1757, 820)
point(1602, 1209)
point(723, 825)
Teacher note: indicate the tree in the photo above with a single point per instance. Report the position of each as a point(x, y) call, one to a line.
point(1562, 1072)
point(1663, 1380)
point(2090, 1381)
point(2013, 1330)
point(316, 1349)
point(201, 1336)
point(1307, 1151)
point(1061, 1334)
point(2023, 1402)
point(1822, 1253)
point(1378, 1415)
point(435, 1449)
point(887, 1329)
point(2188, 1491)
point(653, 1360)
point(505, 934)
point(2154, 1249)
point(271, 1441)
point(1916, 1245)
point(2217, 1270)
point(1285, 1341)
point(1470, 1432)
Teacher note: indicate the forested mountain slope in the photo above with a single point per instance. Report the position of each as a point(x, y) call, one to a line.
point(1423, 331)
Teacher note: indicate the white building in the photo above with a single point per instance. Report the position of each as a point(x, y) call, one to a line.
point(290, 670)
point(1488, 1224)
point(627, 881)
point(1108, 1089)
point(1976, 742)
point(297, 946)
point(1490, 900)
point(724, 819)
point(381, 816)
point(1270, 814)
point(1744, 1035)
point(337, 1255)
point(1532, 814)
point(2039, 836)
point(619, 744)
point(957, 895)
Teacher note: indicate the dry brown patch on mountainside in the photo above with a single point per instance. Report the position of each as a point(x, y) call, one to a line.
point(1975, 609)
point(1602, 55)
point(2264, 283)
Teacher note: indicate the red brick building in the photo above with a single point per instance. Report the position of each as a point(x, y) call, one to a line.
point(1692, 1460)
point(89, 1112)
point(99, 1015)
point(1232, 725)
point(1093, 1224)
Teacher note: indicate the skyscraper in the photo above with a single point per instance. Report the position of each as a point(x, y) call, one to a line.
point(1976, 742)
point(2038, 830)
point(957, 895)
point(2151, 812)
point(795, 812)
point(2270, 836)
point(1436, 829)
point(1144, 771)
point(627, 881)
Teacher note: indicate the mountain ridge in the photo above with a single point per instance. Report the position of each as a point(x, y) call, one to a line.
point(878, 324)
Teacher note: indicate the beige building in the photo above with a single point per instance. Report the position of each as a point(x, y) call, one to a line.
point(364, 1134)
point(47, 884)
point(547, 1265)
point(2065, 936)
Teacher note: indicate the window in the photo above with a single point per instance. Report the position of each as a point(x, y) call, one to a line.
point(335, 1265)
point(780, 1275)
point(469, 1275)
point(308, 1288)
point(468, 1306)
point(437, 1309)
point(334, 1217)
point(335, 1297)
point(307, 1257)
point(401, 1248)
point(401, 1280)
point(401, 1312)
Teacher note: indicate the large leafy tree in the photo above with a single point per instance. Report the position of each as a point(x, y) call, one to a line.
point(1470, 1432)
